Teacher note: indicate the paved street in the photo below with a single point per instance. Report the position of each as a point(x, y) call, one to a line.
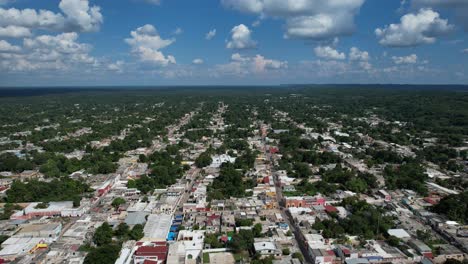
point(301, 244)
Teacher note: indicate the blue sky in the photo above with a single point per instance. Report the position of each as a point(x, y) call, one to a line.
point(166, 42)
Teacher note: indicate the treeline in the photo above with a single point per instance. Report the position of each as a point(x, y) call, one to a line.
point(380, 156)
point(196, 135)
point(298, 153)
point(91, 109)
point(441, 111)
point(108, 242)
point(204, 159)
point(10, 162)
point(97, 162)
point(365, 221)
point(290, 141)
point(165, 170)
point(8, 210)
point(56, 165)
point(229, 183)
point(203, 117)
point(443, 156)
point(63, 189)
point(407, 176)
point(455, 207)
point(238, 115)
point(339, 178)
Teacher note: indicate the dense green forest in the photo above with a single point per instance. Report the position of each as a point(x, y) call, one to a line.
point(64, 189)
point(230, 183)
point(333, 140)
point(455, 207)
point(441, 111)
point(365, 221)
point(431, 121)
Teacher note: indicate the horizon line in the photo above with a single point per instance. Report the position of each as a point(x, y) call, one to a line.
point(223, 85)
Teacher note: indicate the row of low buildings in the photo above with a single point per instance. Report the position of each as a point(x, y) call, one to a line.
point(28, 238)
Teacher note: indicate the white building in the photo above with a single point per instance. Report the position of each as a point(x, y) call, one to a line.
point(217, 160)
point(157, 227)
point(267, 249)
point(188, 247)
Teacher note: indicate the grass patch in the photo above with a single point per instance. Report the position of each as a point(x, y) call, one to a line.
point(206, 257)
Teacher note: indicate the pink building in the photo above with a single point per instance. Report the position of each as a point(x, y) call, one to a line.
point(304, 201)
point(104, 188)
point(53, 209)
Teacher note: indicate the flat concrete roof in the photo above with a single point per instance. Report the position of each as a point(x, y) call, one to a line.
point(157, 227)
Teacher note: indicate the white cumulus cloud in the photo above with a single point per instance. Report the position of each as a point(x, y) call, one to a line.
point(146, 44)
point(178, 31)
point(211, 34)
point(244, 65)
point(50, 52)
point(241, 38)
point(116, 66)
point(80, 16)
point(7, 47)
point(357, 55)
point(365, 65)
point(76, 16)
point(261, 63)
point(329, 53)
point(14, 32)
point(414, 29)
point(30, 18)
point(410, 59)
point(238, 57)
point(360, 58)
point(63, 43)
point(459, 7)
point(313, 19)
point(197, 61)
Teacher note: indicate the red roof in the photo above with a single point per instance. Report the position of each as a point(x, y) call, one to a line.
point(149, 261)
point(430, 200)
point(213, 217)
point(273, 150)
point(75, 247)
point(158, 251)
point(330, 209)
